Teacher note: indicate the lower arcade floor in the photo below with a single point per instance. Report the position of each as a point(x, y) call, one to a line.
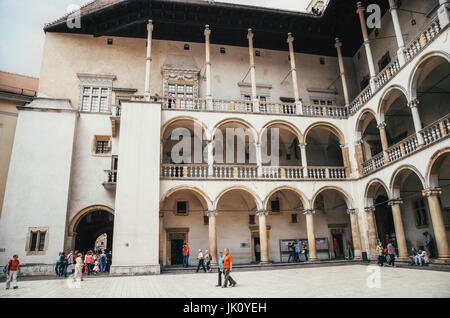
point(318, 282)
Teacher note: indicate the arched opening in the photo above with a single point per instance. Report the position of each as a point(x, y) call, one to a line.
point(407, 185)
point(432, 87)
point(285, 208)
point(90, 226)
point(323, 147)
point(397, 116)
point(183, 215)
point(237, 225)
point(370, 135)
point(331, 221)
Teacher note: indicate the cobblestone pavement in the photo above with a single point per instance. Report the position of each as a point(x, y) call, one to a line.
point(333, 281)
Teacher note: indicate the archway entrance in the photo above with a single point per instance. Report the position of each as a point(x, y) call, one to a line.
point(90, 227)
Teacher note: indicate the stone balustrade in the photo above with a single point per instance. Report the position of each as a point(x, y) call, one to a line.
point(326, 173)
point(184, 171)
point(285, 172)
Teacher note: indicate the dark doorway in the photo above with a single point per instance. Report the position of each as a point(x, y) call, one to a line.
point(383, 219)
point(257, 248)
point(340, 249)
point(90, 227)
point(176, 255)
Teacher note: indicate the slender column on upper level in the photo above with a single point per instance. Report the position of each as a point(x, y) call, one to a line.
point(338, 46)
point(311, 233)
point(437, 219)
point(209, 103)
point(263, 238)
point(304, 159)
point(414, 104)
point(370, 216)
point(384, 142)
point(212, 236)
point(399, 229)
point(252, 71)
point(398, 33)
point(210, 149)
point(148, 59)
point(372, 71)
point(346, 159)
point(355, 233)
point(359, 155)
point(444, 13)
point(290, 40)
point(258, 158)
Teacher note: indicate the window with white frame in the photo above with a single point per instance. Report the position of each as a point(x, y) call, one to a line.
point(37, 241)
point(323, 102)
point(420, 212)
point(95, 92)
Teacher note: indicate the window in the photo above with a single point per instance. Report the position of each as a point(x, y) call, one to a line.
point(109, 41)
point(205, 220)
point(95, 99)
point(258, 53)
point(101, 145)
point(251, 219)
point(420, 212)
point(186, 47)
point(323, 102)
point(384, 61)
point(275, 205)
point(222, 50)
point(37, 241)
point(322, 61)
point(365, 82)
point(293, 218)
point(181, 207)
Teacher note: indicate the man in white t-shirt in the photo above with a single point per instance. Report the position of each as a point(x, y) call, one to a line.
point(201, 261)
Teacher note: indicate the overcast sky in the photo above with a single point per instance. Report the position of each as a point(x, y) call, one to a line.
point(22, 22)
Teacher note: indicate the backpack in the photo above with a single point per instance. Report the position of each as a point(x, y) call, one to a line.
point(6, 267)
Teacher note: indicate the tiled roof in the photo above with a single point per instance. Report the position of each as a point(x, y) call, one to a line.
point(18, 84)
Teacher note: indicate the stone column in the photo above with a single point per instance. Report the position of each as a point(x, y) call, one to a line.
point(432, 195)
point(398, 33)
point(263, 241)
point(444, 13)
point(209, 103)
point(384, 142)
point(298, 104)
point(399, 230)
point(258, 158)
point(371, 225)
point(346, 159)
point(255, 100)
point(338, 46)
point(359, 155)
point(148, 59)
point(413, 105)
point(372, 71)
point(210, 149)
point(311, 234)
point(355, 233)
point(304, 159)
point(213, 236)
point(161, 238)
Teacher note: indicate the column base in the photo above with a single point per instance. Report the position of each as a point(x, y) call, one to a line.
point(442, 260)
point(131, 270)
point(313, 260)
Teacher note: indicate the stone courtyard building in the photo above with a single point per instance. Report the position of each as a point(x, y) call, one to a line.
point(362, 115)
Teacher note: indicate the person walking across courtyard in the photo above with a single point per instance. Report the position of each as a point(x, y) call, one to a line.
point(185, 255)
point(227, 269)
point(220, 269)
point(201, 261)
point(305, 251)
point(391, 253)
point(12, 270)
point(208, 260)
point(297, 252)
point(78, 268)
point(58, 263)
point(103, 261)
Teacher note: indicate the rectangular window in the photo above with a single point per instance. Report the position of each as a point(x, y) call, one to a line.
point(41, 241)
point(323, 102)
point(205, 220)
point(95, 99)
point(181, 207)
point(33, 243)
point(101, 145)
point(384, 61)
point(37, 241)
point(420, 212)
point(275, 205)
point(251, 219)
point(293, 218)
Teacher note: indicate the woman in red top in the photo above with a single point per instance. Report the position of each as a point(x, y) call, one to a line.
point(89, 261)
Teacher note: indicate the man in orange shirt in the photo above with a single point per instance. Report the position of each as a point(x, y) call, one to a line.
point(227, 268)
point(185, 255)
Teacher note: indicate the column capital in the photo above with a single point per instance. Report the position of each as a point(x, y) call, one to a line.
point(250, 34)
point(212, 213)
point(290, 38)
point(381, 125)
point(338, 43)
point(302, 145)
point(432, 192)
point(392, 5)
point(360, 7)
point(352, 211)
point(369, 209)
point(150, 26)
point(396, 201)
point(305, 212)
point(414, 103)
point(207, 31)
point(262, 212)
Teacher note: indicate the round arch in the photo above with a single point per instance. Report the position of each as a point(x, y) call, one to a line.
point(76, 219)
point(371, 189)
point(419, 68)
point(361, 118)
point(431, 179)
point(390, 91)
point(257, 199)
point(347, 198)
point(188, 118)
point(187, 188)
point(292, 128)
point(401, 173)
point(236, 120)
point(300, 194)
point(328, 126)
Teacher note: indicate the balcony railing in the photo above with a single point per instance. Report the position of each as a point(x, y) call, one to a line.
point(412, 49)
point(326, 173)
point(430, 134)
